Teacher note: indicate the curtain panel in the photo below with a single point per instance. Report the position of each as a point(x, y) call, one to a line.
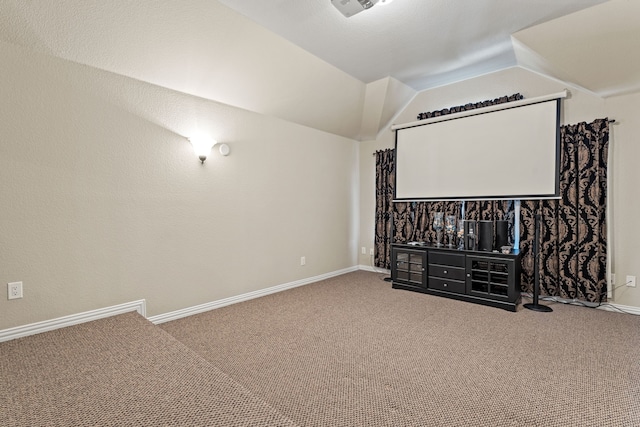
point(573, 239)
point(385, 185)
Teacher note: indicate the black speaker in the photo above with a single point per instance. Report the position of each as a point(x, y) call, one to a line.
point(470, 235)
point(485, 236)
point(502, 234)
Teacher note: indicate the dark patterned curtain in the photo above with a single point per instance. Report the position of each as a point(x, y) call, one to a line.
point(385, 184)
point(413, 221)
point(573, 236)
point(573, 233)
point(491, 210)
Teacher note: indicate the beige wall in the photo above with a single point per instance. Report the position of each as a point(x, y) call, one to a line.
point(581, 106)
point(624, 181)
point(103, 201)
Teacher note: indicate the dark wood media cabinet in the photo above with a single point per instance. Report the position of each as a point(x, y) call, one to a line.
point(488, 278)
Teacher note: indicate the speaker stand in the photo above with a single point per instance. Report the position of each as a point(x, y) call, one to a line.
point(536, 273)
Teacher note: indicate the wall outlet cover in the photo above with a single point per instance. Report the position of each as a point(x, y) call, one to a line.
point(631, 281)
point(14, 290)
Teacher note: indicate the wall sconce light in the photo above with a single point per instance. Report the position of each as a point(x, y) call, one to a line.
point(202, 145)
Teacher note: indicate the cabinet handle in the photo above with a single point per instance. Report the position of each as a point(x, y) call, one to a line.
point(445, 285)
point(468, 274)
point(445, 272)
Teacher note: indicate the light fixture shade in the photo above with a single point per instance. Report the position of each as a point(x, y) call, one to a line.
point(351, 7)
point(202, 145)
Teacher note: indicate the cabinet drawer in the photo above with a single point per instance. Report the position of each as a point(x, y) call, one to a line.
point(446, 272)
point(443, 258)
point(447, 285)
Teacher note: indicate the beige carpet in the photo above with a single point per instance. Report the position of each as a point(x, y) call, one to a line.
point(348, 351)
point(120, 371)
point(351, 351)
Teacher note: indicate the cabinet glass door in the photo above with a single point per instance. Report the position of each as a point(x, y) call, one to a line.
point(479, 276)
point(488, 276)
point(498, 278)
point(409, 267)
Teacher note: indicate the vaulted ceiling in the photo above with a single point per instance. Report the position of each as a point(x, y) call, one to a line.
point(422, 43)
point(303, 61)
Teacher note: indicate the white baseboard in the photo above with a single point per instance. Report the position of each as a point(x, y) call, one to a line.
point(74, 319)
point(619, 308)
point(374, 269)
point(189, 311)
point(140, 307)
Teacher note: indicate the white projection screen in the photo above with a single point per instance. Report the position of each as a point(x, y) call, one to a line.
point(511, 153)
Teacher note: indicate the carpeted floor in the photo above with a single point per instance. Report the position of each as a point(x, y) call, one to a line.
point(347, 351)
point(351, 351)
point(119, 371)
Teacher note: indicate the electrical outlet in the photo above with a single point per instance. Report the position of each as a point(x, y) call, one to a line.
point(371, 252)
point(303, 260)
point(364, 250)
point(631, 281)
point(14, 290)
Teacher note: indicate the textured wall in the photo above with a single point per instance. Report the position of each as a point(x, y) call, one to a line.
point(625, 176)
point(580, 106)
point(103, 200)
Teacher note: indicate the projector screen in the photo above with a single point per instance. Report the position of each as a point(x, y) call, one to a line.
point(506, 153)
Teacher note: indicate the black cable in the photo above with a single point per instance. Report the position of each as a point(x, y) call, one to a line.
point(373, 267)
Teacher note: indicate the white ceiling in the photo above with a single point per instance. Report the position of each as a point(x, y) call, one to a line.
point(303, 61)
point(422, 43)
point(595, 49)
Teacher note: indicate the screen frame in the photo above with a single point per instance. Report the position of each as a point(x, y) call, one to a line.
point(555, 194)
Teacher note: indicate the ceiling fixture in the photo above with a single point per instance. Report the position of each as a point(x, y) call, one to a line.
point(351, 7)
